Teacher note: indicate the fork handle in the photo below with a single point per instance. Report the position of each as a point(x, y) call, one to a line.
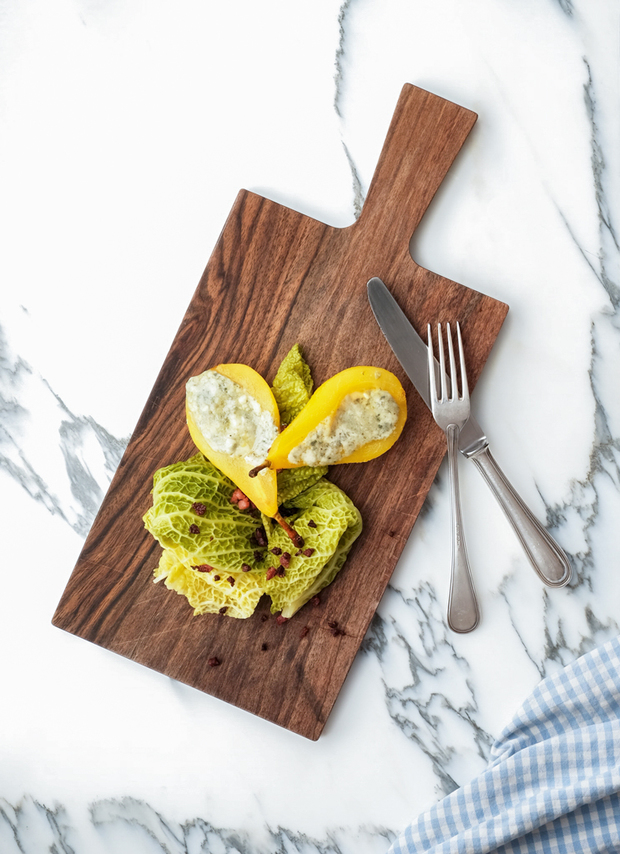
point(463, 614)
point(545, 555)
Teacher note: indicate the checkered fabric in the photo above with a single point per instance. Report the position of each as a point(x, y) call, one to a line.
point(553, 782)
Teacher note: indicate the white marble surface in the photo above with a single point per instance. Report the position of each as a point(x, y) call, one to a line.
point(126, 130)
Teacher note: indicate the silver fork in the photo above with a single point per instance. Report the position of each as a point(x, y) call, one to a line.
point(451, 412)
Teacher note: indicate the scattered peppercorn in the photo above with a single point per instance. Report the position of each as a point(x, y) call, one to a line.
point(308, 552)
point(264, 618)
point(276, 550)
point(260, 537)
point(223, 609)
point(304, 632)
point(204, 567)
point(213, 662)
point(336, 632)
point(194, 529)
point(333, 624)
point(245, 567)
point(216, 578)
point(312, 523)
point(264, 646)
point(241, 500)
point(280, 572)
point(258, 556)
point(316, 601)
point(198, 508)
point(231, 580)
point(285, 560)
point(280, 620)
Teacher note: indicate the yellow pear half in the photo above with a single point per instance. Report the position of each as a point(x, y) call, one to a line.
point(262, 490)
point(325, 402)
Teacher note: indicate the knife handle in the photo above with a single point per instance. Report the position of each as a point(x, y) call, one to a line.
point(545, 555)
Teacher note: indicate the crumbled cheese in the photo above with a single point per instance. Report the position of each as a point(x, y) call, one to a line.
point(362, 417)
point(231, 420)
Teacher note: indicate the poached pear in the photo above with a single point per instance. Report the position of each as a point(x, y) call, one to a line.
point(353, 417)
point(233, 419)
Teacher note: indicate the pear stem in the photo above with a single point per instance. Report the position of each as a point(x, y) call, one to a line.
point(253, 472)
point(291, 533)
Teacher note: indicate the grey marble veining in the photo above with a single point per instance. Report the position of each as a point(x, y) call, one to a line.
point(339, 81)
point(80, 440)
point(427, 685)
point(30, 827)
point(608, 254)
point(201, 835)
point(567, 6)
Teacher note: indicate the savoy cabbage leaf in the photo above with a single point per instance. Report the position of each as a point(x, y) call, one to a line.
point(193, 515)
point(329, 523)
point(292, 387)
point(210, 592)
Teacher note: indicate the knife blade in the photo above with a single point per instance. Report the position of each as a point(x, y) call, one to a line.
point(545, 555)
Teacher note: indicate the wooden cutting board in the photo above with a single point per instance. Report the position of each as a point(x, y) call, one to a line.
point(275, 278)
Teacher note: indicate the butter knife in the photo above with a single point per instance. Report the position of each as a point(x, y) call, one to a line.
point(545, 555)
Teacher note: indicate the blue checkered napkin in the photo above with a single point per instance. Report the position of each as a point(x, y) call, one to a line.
point(553, 783)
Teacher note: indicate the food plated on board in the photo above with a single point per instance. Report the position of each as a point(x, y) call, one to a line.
point(253, 512)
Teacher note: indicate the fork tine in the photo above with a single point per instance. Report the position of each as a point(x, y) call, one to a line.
point(453, 379)
point(431, 366)
point(464, 386)
point(442, 365)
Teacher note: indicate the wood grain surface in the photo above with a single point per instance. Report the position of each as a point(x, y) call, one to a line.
point(277, 277)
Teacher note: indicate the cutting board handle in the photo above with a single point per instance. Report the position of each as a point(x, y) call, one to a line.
point(424, 137)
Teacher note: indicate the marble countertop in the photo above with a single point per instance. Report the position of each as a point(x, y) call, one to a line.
point(126, 131)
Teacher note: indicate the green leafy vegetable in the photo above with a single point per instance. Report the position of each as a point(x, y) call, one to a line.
point(336, 525)
point(207, 541)
point(209, 592)
point(292, 385)
point(293, 481)
point(223, 536)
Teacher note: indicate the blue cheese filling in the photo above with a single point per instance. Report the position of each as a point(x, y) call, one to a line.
point(231, 420)
point(362, 417)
